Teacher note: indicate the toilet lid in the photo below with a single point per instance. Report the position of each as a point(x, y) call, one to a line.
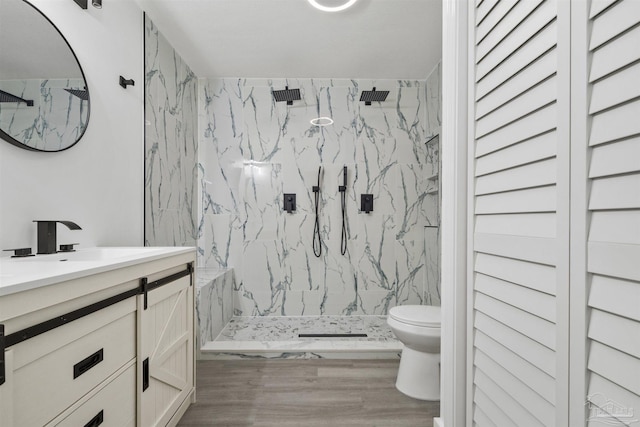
point(417, 315)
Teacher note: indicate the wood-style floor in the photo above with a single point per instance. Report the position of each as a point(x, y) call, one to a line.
point(309, 393)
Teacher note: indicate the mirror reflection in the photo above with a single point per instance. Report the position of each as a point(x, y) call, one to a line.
point(44, 101)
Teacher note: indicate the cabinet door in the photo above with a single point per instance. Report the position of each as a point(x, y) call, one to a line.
point(605, 294)
point(165, 365)
point(519, 213)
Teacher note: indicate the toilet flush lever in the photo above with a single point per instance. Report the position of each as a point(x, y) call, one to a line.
point(47, 234)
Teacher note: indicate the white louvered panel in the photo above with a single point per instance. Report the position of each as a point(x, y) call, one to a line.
point(616, 366)
point(597, 6)
point(613, 248)
point(508, 393)
point(615, 124)
point(495, 17)
point(529, 225)
point(481, 419)
point(541, 69)
point(617, 296)
point(624, 15)
point(479, 2)
point(541, 199)
point(620, 87)
point(532, 125)
point(528, 349)
point(532, 275)
point(507, 17)
point(484, 9)
point(616, 260)
point(516, 195)
point(519, 60)
point(489, 374)
point(600, 389)
point(615, 226)
point(530, 101)
point(527, 324)
point(533, 302)
point(490, 409)
point(612, 159)
point(538, 250)
point(534, 378)
point(619, 192)
point(616, 332)
point(537, 148)
point(615, 55)
point(542, 16)
point(535, 174)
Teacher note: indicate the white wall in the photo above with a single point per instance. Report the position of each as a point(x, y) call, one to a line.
point(99, 182)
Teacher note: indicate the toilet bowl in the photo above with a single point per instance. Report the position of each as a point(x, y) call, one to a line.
point(418, 328)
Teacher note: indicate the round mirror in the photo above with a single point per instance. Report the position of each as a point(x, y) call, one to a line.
point(44, 100)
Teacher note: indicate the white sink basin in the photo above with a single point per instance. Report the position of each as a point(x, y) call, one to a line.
point(92, 254)
point(18, 274)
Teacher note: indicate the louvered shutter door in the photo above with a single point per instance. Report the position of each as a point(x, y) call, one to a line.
point(520, 213)
point(613, 220)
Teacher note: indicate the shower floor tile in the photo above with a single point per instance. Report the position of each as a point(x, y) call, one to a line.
point(277, 337)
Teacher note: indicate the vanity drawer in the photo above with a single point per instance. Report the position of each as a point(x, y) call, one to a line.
point(53, 370)
point(113, 406)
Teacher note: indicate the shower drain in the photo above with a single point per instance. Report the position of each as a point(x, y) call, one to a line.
point(332, 335)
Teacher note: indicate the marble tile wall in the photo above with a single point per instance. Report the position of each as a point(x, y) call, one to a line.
point(60, 117)
point(432, 231)
point(171, 144)
point(214, 302)
point(253, 150)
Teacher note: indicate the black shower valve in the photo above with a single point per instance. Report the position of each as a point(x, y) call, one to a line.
point(289, 202)
point(366, 203)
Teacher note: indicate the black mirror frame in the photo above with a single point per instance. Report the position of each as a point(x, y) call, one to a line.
point(11, 140)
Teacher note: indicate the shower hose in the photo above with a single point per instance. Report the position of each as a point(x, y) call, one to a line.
point(343, 200)
point(317, 239)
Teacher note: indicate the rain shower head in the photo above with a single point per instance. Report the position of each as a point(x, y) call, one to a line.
point(369, 96)
point(288, 95)
point(7, 97)
point(80, 93)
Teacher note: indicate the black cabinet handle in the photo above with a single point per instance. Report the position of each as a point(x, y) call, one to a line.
point(88, 363)
point(2, 346)
point(145, 374)
point(96, 421)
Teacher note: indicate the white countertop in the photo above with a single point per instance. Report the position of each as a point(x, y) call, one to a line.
point(21, 274)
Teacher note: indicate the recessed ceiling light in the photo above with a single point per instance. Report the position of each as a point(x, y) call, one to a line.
point(322, 121)
point(324, 8)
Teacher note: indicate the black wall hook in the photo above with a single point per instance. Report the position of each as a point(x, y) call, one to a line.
point(124, 82)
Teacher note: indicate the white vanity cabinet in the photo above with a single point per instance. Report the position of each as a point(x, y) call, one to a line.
point(111, 345)
point(166, 350)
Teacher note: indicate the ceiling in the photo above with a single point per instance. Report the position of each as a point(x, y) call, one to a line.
point(376, 39)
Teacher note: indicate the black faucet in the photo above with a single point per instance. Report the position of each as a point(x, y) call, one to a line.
point(47, 235)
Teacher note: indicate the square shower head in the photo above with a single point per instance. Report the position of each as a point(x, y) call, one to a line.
point(369, 96)
point(288, 95)
point(80, 93)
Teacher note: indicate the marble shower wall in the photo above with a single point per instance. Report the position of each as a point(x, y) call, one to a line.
point(171, 144)
point(214, 302)
point(432, 232)
point(61, 117)
point(253, 150)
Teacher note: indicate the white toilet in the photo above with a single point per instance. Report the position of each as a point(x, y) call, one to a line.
point(418, 328)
